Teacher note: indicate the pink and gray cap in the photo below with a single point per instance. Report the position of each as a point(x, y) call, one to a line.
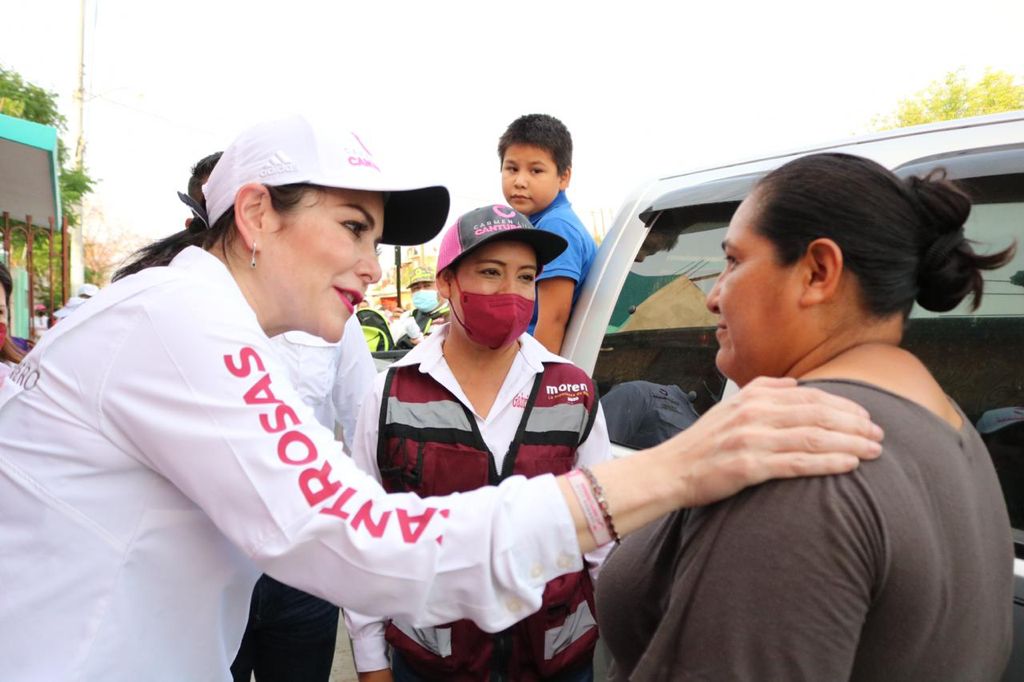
point(496, 223)
point(292, 150)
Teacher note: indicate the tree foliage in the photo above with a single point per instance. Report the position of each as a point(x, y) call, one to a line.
point(953, 97)
point(31, 102)
point(22, 99)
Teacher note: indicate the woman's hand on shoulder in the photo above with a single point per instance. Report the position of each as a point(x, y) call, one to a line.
point(772, 428)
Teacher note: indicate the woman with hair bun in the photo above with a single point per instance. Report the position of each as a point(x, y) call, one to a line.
point(901, 570)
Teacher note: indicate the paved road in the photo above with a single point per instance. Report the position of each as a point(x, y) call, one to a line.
point(343, 670)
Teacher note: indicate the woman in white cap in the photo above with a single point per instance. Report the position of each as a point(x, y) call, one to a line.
point(156, 459)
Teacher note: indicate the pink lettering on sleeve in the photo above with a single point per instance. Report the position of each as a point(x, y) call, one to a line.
point(246, 358)
point(325, 487)
point(363, 518)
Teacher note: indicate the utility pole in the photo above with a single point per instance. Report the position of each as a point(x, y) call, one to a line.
point(77, 241)
point(80, 92)
point(398, 276)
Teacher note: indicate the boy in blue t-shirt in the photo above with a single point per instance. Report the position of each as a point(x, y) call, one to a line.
point(536, 163)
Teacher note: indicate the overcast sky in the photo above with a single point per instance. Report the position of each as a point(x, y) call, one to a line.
point(646, 88)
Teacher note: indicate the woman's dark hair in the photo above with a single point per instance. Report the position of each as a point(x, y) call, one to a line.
point(8, 351)
point(902, 239)
point(6, 282)
point(200, 172)
point(284, 198)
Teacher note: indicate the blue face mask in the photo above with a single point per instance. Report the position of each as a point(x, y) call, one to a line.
point(425, 301)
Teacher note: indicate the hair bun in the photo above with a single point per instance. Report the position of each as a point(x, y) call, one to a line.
point(943, 206)
point(948, 270)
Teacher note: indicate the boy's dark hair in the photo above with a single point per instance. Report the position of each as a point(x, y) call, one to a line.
point(540, 130)
point(903, 240)
point(200, 172)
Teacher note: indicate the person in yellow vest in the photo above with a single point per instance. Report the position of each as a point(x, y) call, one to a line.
point(427, 311)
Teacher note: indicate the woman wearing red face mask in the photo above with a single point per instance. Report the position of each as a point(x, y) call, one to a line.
point(477, 402)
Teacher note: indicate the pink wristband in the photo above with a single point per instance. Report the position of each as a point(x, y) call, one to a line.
point(589, 506)
point(602, 502)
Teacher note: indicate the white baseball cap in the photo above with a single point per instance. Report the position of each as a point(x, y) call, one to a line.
point(293, 150)
point(87, 290)
point(69, 307)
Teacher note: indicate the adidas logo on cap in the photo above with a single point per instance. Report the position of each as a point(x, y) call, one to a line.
point(277, 163)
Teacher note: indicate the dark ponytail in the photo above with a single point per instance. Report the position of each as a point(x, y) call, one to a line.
point(163, 251)
point(283, 198)
point(949, 270)
point(902, 240)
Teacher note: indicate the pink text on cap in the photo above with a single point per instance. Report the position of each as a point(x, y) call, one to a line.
point(496, 227)
point(357, 159)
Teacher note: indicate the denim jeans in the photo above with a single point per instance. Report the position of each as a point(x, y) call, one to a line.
point(290, 636)
point(401, 672)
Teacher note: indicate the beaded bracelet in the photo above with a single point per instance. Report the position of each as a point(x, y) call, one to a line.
point(602, 502)
point(589, 506)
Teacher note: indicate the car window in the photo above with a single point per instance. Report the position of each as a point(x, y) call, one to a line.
point(656, 367)
point(976, 356)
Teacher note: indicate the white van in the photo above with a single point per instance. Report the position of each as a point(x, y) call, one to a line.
point(641, 315)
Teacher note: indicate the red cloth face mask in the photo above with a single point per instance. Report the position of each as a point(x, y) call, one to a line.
point(494, 320)
point(3, 333)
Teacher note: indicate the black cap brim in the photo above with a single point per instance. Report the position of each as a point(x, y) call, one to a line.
point(415, 216)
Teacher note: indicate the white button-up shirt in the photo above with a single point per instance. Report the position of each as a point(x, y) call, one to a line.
point(157, 459)
point(498, 428)
point(332, 378)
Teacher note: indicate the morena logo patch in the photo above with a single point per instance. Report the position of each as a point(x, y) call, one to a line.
point(570, 392)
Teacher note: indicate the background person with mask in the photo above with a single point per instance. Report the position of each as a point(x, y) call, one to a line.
point(428, 310)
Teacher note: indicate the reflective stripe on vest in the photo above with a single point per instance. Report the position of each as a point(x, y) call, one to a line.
point(437, 641)
point(450, 414)
point(554, 418)
point(442, 414)
point(576, 625)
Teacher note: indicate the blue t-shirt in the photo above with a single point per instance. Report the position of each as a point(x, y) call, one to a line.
point(577, 258)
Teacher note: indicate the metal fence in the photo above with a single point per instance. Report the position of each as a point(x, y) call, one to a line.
point(56, 247)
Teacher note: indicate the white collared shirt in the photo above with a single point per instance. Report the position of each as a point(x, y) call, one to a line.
point(498, 428)
point(157, 459)
point(332, 378)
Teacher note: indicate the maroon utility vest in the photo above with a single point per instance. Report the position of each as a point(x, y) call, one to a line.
point(429, 444)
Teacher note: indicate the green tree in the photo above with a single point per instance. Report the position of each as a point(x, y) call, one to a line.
point(31, 102)
point(22, 99)
point(953, 96)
